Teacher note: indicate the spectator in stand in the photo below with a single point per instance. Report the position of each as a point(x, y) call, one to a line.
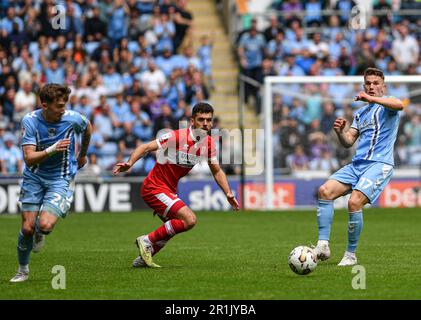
point(10, 156)
point(141, 122)
point(164, 29)
point(165, 120)
point(104, 122)
point(153, 79)
point(129, 141)
point(84, 107)
point(276, 49)
point(291, 10)
point(9, 106)
point(405, 48)
point(333, 28)
point(298, 161)
point(24, 102)
point(328, 118)
point(289, 67)
point(117, 27)
point(318, 48)
point(183, 21)
point(345, 8)
point(6, 24)
point(113, 81)
point(197, 85)
point(273, 30)
point(386, 8)
point(313, 14)
point(326, 162)
point(91, 169)
point(251, 51)
point(204, 53)
point(54, 73)
point(95, 28)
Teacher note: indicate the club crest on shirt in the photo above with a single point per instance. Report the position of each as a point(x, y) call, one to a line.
point(51, 132)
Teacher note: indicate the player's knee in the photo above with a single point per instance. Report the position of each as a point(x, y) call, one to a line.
point(190, 222)
point(28, 230)
point(46, 226)
point(325, 193)
point(355, 204)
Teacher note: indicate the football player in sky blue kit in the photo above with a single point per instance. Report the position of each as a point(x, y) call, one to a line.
point(376, 126)
point(48, 144)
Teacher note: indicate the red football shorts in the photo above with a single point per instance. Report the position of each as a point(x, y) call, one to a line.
point(164, 203)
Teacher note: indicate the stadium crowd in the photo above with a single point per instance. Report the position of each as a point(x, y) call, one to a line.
point(300, 41)
point(133, 71)
point(130, 64)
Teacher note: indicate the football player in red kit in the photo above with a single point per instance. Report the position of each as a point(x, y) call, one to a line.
point(178, 152)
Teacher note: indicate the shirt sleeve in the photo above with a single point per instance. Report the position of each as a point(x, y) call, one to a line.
point(167, 139)
point(28, 132)
point(80, 124)
point(355, 122)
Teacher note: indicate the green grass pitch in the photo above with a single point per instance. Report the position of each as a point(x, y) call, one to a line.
point(226, 256)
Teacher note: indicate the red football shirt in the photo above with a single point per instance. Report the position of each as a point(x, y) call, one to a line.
point(179, 151)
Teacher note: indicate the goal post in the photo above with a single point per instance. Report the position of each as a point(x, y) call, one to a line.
point(286, 86)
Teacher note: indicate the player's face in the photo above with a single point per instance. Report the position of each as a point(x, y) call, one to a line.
point(202, 121)
point(54, 111)
point(374, 86)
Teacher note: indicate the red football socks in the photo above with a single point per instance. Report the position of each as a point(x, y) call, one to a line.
point(167, 231)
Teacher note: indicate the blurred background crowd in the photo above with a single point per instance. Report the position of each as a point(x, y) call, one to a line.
point(133, 71)
point(130, 65)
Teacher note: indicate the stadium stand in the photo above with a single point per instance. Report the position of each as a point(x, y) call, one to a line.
point(131, 66)
point(134, 70)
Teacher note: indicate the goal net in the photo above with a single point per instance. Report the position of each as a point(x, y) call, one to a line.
point(298, 116)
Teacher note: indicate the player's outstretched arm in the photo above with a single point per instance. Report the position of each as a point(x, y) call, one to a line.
point(222, 181)
point(387, 102)
point(346, 137)
point(86, 138)
point(33, 157)
point(139, 152)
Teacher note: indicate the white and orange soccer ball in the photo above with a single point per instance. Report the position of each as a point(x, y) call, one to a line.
point(302, 260)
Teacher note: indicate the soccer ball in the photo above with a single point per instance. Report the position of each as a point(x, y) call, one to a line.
point(302, 260)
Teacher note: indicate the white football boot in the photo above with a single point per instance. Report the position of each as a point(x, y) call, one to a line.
point(349, 259)
point(322, 250)
point(39, 241)
point(20, 276)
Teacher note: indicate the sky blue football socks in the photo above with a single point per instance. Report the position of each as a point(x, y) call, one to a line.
point(24, 248)
point(324, 218)
point(355, 225)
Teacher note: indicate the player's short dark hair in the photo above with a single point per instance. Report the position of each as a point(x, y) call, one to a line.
point(51, 92)
point(201, 107)
point(373, 72)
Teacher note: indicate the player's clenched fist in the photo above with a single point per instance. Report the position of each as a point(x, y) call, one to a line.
point(362, 96)
point(339, 125)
